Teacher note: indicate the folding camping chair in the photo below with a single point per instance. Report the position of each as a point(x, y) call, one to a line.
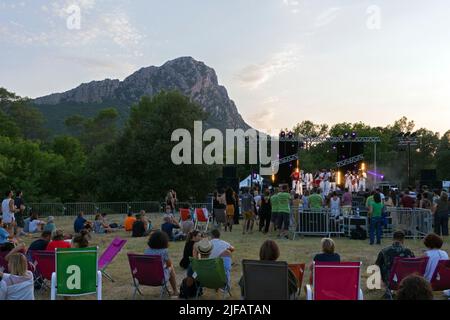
point(402, 268)
point(265, 280)
point(147, 270)
point(441, 277)
point(108, 256)
point(335, 281)
point(298, 270)
point(211, 275)
point(202, 219)
point(76, 273)
point(185, 214)
point(44, 263)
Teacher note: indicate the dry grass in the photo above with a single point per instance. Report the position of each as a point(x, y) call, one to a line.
point(247, 247)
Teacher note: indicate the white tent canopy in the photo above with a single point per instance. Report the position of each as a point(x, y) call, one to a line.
point(247, 182)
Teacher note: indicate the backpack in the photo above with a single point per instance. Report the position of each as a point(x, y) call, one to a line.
point(358, 234)
point(187, 291)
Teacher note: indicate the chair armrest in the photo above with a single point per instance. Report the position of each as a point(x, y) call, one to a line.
point(360, 295)
point(309, 292)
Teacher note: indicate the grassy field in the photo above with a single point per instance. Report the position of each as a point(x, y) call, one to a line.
point(247, 247)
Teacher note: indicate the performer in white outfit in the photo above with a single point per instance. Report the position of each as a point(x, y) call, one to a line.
point(322, 181)
point(309, 181)
point(362, 181)
point(327, 183)
point(354, 182)
point(348, 181)
point(333, 181)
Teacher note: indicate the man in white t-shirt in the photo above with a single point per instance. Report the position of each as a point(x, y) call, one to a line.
point(221, 249)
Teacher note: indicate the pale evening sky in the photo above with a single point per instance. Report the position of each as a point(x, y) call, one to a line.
point(282, 61)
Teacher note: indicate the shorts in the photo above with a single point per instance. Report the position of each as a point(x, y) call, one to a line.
point(248, 215)
point(19, 220)
point(274, 217)
point(230, 210)
point(283, 220)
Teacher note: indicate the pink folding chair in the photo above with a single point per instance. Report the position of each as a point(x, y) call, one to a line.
point(3, 262)
point(404, 267)
point(108, 256)
point(147, 270)
point(335, 281)
point(202, 221)
point(44, 263)
point(441, 277)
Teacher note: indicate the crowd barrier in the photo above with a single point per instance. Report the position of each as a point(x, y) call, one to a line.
point(319, 222)
point(415, 223)
point(92, 208)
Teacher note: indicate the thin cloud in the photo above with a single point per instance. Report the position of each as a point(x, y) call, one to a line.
point(255, 75)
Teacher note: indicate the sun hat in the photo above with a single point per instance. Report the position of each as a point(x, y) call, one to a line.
point(50, 219)
point(204, 246)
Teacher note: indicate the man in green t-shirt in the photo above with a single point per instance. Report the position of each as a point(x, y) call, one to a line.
point(376, 218)
point(284, 212)
point(315, 200)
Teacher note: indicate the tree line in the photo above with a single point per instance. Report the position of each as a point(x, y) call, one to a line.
point(100, 161)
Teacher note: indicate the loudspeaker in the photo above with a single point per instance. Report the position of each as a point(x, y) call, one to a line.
point(229, 172)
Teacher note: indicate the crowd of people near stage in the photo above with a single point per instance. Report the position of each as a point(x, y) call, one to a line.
point(271, 211)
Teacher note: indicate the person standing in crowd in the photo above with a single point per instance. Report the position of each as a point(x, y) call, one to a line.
point(284, 212)
point(407, 201)
point(376, 220)
point(265, 212)
point(335, 205)
point(433, 243)
point(275, 210)
point(385, 258)
point(230, 209)
point(8, 212)
point(237, 205)
point(296, 205)
point(248, 212)
point(441, 212)
point(20, 206)
point(426, 202)
point(158, 245)
point(315, 200)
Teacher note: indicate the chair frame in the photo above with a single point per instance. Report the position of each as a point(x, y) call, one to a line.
point(203, 224)
point(226, 289)
point(434, 284)
point(37, 274)
point(302, 267)
point(392, 274)
point(310, 290)
point(136, 286)
point(103, 269)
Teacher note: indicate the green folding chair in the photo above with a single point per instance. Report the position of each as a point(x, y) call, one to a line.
point(76, 273)
point(211, 274)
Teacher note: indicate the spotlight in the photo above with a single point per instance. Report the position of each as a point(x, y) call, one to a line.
point(354, 135)
point(290, 135)
point(407, 134)
point(346, 135)
point(334, 147)
point(283, 134)
point(414, 135)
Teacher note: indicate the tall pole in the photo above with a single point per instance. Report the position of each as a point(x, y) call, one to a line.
point(409, 164)
point(375, 161)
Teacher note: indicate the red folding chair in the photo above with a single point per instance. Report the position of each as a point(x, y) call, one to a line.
point(185, 214)
point(441, 277)
point(108, 256)
point(44, 264)
point(404, 267)
point(202, 219)
point(298, 270)
point(335, 281)
point(147, 270)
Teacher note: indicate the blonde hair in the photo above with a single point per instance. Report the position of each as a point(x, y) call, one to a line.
point(327, 245)
point(17, 264)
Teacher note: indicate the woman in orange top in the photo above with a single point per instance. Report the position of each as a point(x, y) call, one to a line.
point(128, 223)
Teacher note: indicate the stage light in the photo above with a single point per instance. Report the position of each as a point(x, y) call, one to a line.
point(346, 135)
point(414, 135)
point(290, 135)
point(363, 166)
point(283, 134)
point(354, 134)
point(407, 134)
point(334, 147)
point(273, 178)
point(339, 178)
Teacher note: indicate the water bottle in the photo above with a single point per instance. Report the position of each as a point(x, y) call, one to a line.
point(357, 212)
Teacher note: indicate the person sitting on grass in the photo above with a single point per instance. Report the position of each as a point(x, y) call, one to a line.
point(58, 241)
point(81, 223)
point(434, 243)
point(386, 257)
point(18, 284)
point(4, 235)
point(100, 226)
point(81, 240)
point(414, 287)
point(168, 226)
point(147, 223)
point(36, 225)
point(39, 244)
point(270, 251)
point(158, 245)
point(192, 238)
point(139, 230)
point(128, 222)
point(50, 225)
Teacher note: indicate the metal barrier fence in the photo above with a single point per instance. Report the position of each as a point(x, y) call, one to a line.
point(415, 223)
point(92, 208)
point(318, 222)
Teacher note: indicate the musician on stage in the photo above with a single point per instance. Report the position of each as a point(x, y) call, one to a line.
point(333, 180)
point(362, 180)
point(354, 182)
point(348, 180)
